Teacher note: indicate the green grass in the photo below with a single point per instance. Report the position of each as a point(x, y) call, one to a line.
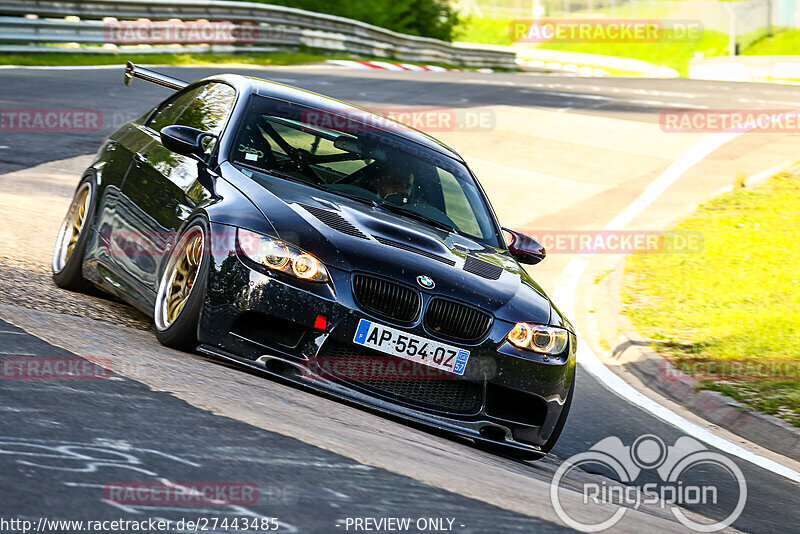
point(783, 42)
point(671, 54)
point(77, 58)
point(483, 30)
point(263, 59)
point(737, 300)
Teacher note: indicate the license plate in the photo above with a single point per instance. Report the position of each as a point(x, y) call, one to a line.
point(411, 347)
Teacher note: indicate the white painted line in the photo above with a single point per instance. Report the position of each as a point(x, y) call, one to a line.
point(577, 95)
point(661, 104)
point(564, 295)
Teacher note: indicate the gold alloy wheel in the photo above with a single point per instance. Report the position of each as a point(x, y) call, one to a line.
point(71, 228)
point(179, 277)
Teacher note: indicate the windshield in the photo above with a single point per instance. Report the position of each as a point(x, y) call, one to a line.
point(350, 155)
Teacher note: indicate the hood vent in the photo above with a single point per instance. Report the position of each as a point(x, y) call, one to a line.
point(415, 250)
point(334, 220)
point(484, 269)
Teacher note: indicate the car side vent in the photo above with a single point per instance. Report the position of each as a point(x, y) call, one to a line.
point(386, 299)
point(456, 321)
point(482, 268)
point(410, 248)
point(334, 220)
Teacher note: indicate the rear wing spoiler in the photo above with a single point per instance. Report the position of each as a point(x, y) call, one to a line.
point(134, 71)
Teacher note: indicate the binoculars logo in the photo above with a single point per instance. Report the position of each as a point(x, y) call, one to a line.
point(647, 452)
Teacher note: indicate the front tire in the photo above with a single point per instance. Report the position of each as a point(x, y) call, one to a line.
point(181, 288)
point(72, 239)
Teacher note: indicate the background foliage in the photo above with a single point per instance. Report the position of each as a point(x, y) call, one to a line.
point(426, 18)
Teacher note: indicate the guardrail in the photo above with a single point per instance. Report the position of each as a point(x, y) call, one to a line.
point(34, 25)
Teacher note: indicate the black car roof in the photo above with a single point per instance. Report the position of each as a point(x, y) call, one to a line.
point(266, 88)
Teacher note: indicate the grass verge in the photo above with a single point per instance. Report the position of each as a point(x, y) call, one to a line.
point(731, 312)
point(668, 53)
point(261, 59)
point(782, 42)
point(78, 58)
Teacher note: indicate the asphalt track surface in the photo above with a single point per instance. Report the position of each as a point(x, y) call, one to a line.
point(133, 427)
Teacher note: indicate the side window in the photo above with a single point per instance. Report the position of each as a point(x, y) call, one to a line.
point(170, 110)
point(206, 108)
point(457, 204)
point(210, 110)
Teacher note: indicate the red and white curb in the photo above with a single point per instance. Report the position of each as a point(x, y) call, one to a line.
point(384, 65)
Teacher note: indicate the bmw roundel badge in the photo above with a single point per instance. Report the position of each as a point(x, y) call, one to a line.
point(426, 281)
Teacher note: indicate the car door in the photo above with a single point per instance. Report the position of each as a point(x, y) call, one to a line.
point(161, 188)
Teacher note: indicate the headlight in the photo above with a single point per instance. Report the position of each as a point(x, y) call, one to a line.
point(279, 256)
point(545, 339)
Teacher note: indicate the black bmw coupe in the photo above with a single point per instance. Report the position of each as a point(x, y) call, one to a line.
point(316, 241)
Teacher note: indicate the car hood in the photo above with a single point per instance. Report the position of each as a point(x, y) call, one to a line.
point(353, 236)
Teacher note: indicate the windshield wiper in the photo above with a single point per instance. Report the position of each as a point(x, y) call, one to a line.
point(363, 200)
point(395, 209)
point(418, 216)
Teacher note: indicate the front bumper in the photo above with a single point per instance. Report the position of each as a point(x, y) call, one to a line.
point(505, 396)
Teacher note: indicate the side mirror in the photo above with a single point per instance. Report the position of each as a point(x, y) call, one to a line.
point(525, 249)
point(184, 140)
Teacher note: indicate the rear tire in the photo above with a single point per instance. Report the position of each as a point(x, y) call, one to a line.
point(73, 237)
point(181, 288)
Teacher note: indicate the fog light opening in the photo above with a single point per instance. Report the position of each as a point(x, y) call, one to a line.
point(281, 367)
point(494, 433)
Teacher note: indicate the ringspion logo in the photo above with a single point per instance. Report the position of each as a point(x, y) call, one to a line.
point(673, 465)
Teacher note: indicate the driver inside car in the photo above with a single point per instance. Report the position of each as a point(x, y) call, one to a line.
point(392, 182)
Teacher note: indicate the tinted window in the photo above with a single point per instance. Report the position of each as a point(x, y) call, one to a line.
point(210, 110)
point(206, 108)
point(345, 155)
point(169, 111)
